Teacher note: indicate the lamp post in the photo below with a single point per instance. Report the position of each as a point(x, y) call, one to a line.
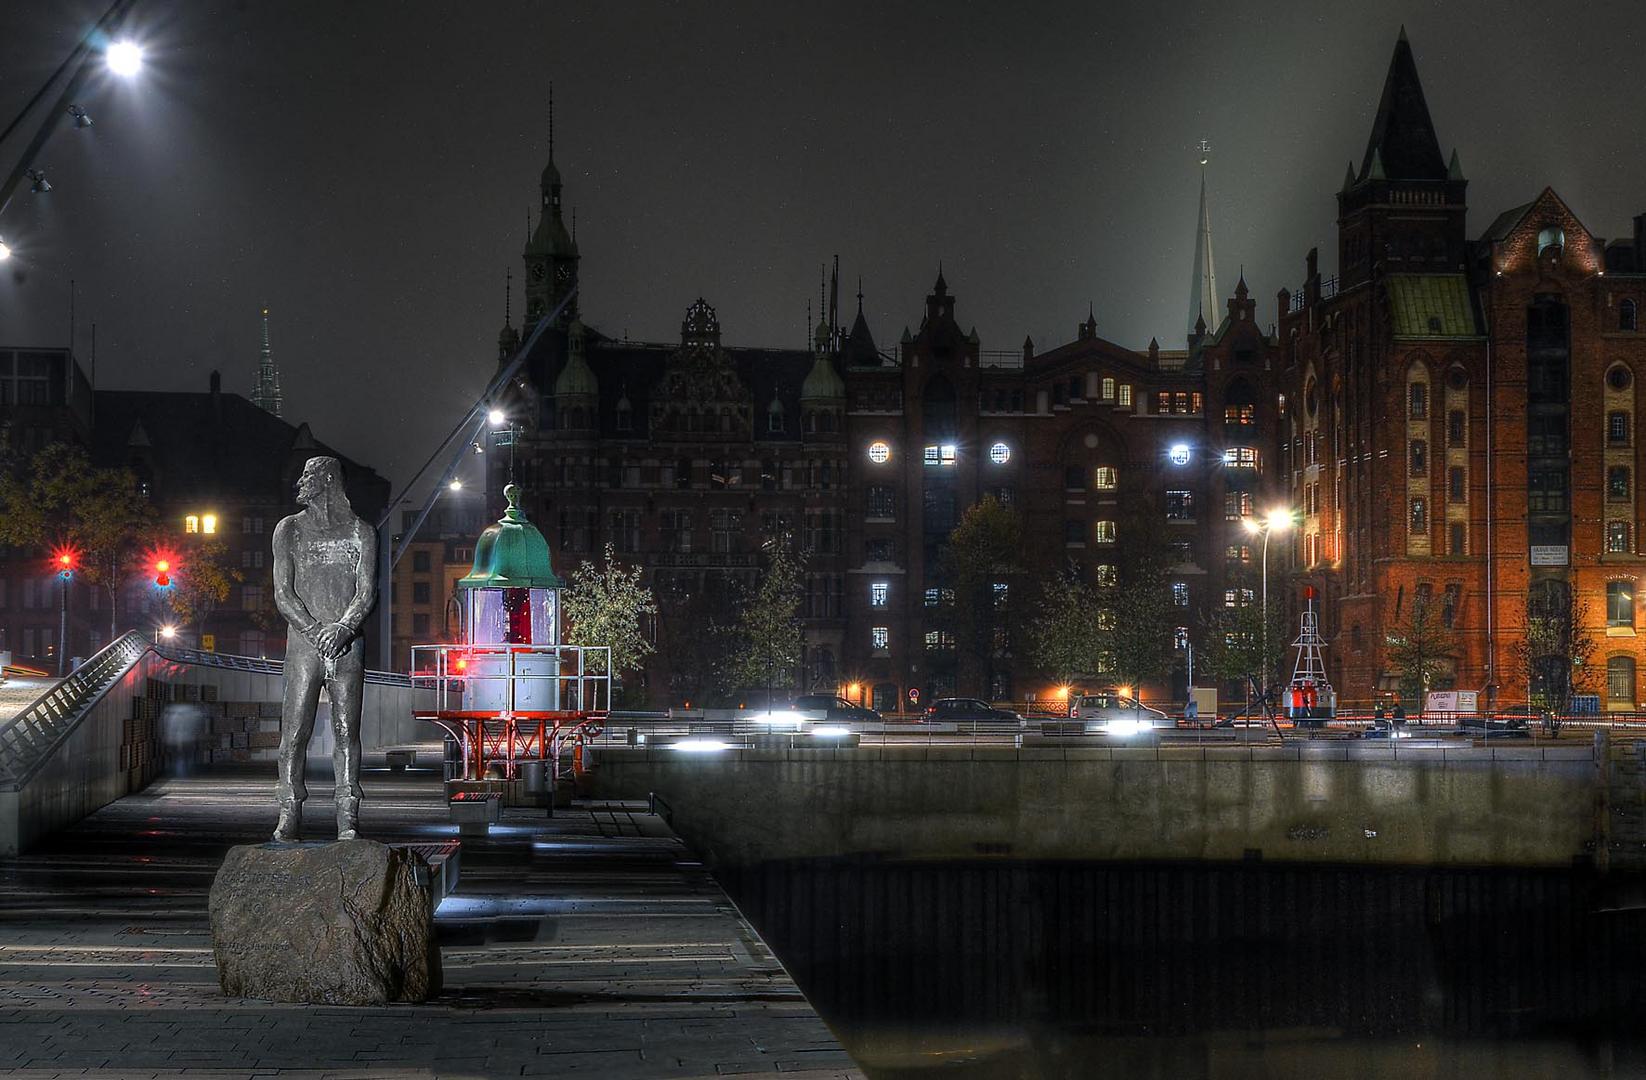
point(1276, 521)
point(65, 574)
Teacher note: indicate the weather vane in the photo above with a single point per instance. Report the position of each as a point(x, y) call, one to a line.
point(1205, 149)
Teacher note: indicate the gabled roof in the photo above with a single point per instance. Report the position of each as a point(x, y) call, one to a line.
point(1403, 135)
point(1505, 223)
point(211, 445)
point(1431, 305)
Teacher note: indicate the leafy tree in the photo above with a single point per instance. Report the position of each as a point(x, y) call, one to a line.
point(1421, 648)
point(766, 640)
point(1233, 649)
point(1063, 636)
point(101, 513)
point(1556, 651)
point(1140, 604)
point(607, 605)
point(983, 552)
point(203, 579)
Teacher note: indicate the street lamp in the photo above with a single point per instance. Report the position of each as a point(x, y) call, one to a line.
point(1278, 520)
point(497, 417)
point(125, 58)
point(5, 251)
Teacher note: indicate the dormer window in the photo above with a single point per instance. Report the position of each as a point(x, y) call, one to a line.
point(774, 417)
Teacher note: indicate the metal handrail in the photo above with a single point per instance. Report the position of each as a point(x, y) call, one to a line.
point(30, 738)
point(258, 664)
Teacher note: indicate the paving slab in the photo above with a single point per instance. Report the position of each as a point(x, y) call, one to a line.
point(591, 943)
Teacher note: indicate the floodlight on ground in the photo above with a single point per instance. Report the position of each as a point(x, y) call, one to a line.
point(82, 118)
point(37, 182)
point(125, 58)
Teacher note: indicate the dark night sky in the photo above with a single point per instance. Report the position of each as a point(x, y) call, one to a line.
point(365, 170)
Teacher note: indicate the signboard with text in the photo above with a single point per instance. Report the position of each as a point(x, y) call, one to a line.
point(1549, 554)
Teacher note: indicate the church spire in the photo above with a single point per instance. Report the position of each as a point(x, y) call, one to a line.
point(1403, 145)
point(551, 251)
point(1203, 286)
point(266, 394)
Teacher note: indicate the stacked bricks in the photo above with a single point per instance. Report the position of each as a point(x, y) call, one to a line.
point(241, 731)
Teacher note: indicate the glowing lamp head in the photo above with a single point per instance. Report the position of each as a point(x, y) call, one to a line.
point(1280, 520)
point(455, 485)
point(5, 251)
point(496, 418)
point(125, 58)
point(168, 631)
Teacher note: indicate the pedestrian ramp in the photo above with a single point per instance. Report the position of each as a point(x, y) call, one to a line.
point(108, 728)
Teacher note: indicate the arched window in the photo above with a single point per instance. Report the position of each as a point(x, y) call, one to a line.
point(1552, 237)
point(1620, 680)
point(1628, 315)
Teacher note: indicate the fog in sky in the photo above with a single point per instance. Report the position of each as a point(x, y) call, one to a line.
point(365, 170)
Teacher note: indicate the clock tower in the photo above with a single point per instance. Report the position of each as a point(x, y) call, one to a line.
point(551, 253)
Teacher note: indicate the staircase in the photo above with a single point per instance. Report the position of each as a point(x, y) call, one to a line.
point(30, 738)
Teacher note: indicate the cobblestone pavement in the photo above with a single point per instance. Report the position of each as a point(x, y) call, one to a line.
point(591, 944)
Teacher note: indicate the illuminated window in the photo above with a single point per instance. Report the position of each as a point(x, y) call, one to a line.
point(879, 452)
point(1240, 414)
point(1238, 598)
point(191, 524)
point(1105, 576)
point(1241, 457)
point(1179, 506)
point(1125, 396)
point(208, 523)
point(1180, 638)
point(1620, 603)
point(880, 637)
point(1103, 532)
point(1105, 619)
point(1237, 505)
point(1238, 553)
point(1419, 514)
point(1617, 537)
point(1180, 593)
point(1000, 453)
point(946, 453)
point(1108, 389)
point(879, 593)
point(1105, 478)
point(929, 456)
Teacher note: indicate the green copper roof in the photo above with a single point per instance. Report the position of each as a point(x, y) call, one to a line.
point(1431, 305)
point(511, 554)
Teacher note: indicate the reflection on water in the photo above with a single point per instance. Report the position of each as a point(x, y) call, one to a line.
point(1010, 969)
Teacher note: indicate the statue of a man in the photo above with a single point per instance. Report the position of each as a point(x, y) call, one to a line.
point(325, 582)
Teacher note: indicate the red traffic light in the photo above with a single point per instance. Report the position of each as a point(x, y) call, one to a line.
point(162, 573)
point(65, 559)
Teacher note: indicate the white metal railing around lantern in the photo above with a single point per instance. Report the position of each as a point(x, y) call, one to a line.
point(506, 704)
point(514, 679)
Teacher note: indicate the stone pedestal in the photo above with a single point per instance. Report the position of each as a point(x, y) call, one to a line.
point(346, 923)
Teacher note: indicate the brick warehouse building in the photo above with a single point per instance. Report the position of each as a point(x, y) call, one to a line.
point(687, 455)
point(1464, 417)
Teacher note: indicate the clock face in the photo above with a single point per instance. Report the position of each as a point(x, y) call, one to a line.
point(562, 274)
point(537, 271)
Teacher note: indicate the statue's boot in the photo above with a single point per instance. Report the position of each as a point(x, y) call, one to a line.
point(291, 821)
point(348, 817)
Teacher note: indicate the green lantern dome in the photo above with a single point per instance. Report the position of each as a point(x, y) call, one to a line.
point(511, 554)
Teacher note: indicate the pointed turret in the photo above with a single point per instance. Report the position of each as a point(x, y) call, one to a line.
point(551, 253)
point(860, 348)
point(1203, 285)
point(266, 394)
point(1454, 168)
point(508, 338)
point(1403, 135)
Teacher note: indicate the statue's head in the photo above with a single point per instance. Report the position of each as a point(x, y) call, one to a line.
point(322, 480)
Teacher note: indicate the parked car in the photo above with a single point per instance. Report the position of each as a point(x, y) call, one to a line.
point(967, 710)
point(1113, 713)
point(834, 709)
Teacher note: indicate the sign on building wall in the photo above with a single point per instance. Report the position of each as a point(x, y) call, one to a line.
point(1549, 554)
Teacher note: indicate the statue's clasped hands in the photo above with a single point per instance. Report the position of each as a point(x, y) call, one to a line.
point(331, 640)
